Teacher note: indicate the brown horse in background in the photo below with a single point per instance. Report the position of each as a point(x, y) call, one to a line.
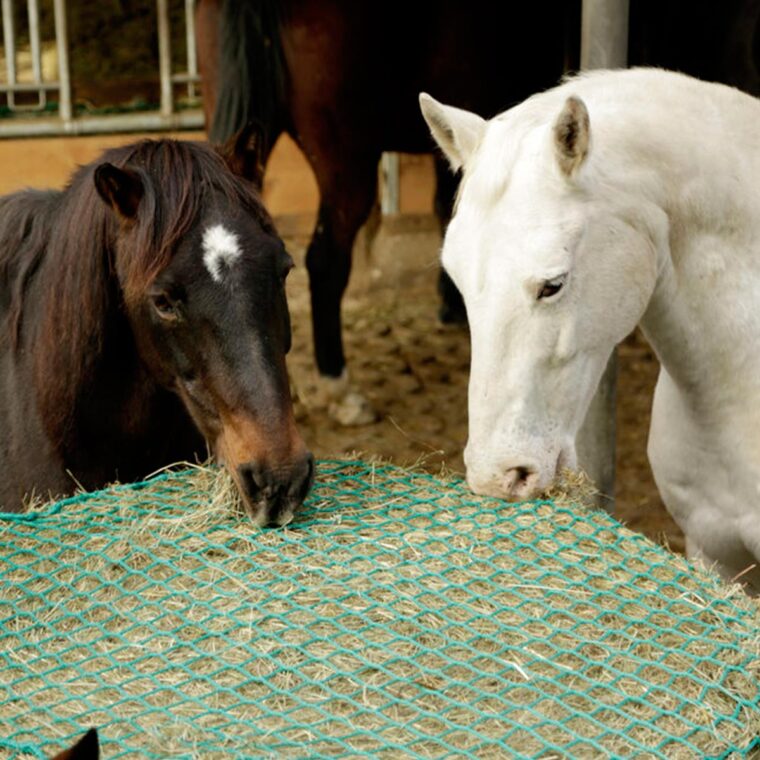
point(144, 310)
point(342, 78)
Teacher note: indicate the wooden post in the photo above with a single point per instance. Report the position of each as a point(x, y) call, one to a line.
point(604, 44)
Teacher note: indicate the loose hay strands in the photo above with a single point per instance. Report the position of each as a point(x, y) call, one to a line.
point(399, 616)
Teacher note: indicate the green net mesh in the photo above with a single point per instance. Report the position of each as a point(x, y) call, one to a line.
point(399, 616)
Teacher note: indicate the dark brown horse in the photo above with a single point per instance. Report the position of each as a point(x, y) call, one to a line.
point(342, 78)
point(144, 309)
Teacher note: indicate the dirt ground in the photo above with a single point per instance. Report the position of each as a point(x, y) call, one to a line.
point(412, 369)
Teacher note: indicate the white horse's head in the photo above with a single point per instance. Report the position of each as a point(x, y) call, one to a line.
point(555, 266)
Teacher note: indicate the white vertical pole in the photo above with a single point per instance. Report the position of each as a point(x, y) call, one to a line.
point(192, 55)
point(9, 42)
point(389, 186)
point(604, 44)
point(604, 34)
point(62, 47)
point(34, 44)
point(165, 58)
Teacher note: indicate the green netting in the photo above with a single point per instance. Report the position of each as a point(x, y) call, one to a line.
point(400, 616)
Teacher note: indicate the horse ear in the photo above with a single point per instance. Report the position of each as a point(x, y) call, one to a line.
point(121, 189)
point(86, 748)
point(243, 153)
point(572, 135)
point(457, 132)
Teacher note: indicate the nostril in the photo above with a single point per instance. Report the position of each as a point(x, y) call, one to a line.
point(522, 474)
point(304, 486)
point(248, 480)
point(256, 482)
point(521, 482)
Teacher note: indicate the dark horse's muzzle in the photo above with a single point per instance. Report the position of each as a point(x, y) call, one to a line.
point(272, 495)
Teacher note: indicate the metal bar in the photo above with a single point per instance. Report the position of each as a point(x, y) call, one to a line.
point(604, 44)
point(192, 57)
point(389, 196)
point(151, 121)
point(34, 40)
point(36, 50)
point(62, 48)
point(9, 42)
point(185, 78)
point(29, 86)
point(604, 34)
point(164, 58)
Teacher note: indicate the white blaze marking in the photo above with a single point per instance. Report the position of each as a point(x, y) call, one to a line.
point(220, 250)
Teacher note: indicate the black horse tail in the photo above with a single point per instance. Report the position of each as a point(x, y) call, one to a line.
point(251, 83)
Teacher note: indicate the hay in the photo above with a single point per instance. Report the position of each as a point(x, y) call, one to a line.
point(399, 616)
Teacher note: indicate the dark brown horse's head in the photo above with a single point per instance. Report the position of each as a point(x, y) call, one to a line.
point(202, 273)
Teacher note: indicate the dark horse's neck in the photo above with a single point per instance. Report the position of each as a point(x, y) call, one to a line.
point(78, 405)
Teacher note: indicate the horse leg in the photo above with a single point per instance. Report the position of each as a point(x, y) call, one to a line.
point(346, 201)
point(452, 311)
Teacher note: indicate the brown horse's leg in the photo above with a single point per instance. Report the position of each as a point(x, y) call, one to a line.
point(347, 199)
point(452, 309)
point(207, 20)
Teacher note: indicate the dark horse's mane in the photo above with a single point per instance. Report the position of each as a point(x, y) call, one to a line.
point(60, 253)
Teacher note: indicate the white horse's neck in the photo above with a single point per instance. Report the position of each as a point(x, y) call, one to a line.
point(692, 155)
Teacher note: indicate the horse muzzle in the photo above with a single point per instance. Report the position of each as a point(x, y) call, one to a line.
point(519, 477)
point(270, 465)
point(272, 494)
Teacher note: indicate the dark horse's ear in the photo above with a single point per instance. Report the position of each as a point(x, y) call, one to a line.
point(121, 189)
point(85, 749)
point(244, 152)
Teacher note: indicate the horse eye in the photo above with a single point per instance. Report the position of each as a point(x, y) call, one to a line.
point(551, 287)
point(164, 307)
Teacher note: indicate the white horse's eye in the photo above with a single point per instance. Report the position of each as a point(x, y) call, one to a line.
point(551, 287)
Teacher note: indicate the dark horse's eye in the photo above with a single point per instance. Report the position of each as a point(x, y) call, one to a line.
point(551, 287)
point(164, 307)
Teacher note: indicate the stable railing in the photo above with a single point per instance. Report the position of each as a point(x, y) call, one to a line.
point(22, 122)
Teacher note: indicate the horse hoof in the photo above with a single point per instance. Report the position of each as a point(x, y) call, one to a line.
point(353, 409)
point(344, 403)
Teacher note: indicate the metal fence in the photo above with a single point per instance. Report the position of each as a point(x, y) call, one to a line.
point(23, 123)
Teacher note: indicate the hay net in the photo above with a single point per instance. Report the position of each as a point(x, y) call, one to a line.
point(399, 616)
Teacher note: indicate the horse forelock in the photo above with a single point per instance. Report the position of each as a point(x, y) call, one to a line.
point(487, 179)
point(181, 179)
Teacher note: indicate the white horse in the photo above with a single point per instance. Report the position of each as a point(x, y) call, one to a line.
point(617, 198)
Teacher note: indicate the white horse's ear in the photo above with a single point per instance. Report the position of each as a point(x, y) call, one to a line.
point(457, 132)
point(572, 135)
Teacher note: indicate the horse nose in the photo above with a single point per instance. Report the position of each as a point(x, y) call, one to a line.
point(521, 483)
point(272, 494)
point(513, 482)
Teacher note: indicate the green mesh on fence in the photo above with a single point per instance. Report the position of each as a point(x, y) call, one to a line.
point(400, 616)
